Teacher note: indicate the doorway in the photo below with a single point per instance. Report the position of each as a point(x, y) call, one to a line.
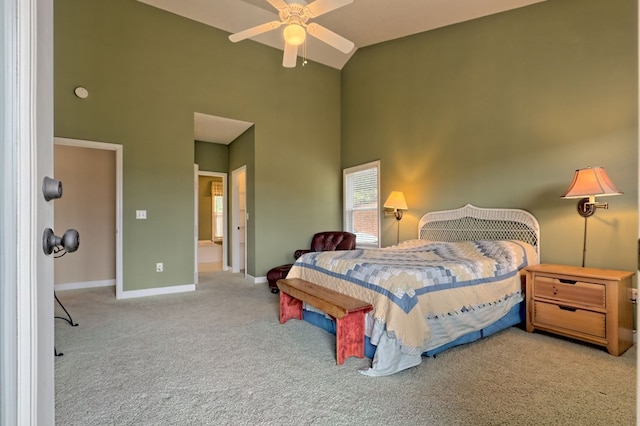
point(211, 222)
point(92, 172)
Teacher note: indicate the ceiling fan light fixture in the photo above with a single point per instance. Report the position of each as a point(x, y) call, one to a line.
point(294, 17)
point(294, 34)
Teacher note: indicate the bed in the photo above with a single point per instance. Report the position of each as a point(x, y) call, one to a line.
point(460, 280)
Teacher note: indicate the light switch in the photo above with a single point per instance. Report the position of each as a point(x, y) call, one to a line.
point(141, 214)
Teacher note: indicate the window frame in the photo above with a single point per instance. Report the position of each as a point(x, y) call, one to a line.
point(217, 233)
point(347, 213)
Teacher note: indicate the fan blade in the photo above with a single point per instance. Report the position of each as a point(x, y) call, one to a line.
point(320, 7)
point(254, 31)
point(290, 55)
point(278, 4)
point(329, 37)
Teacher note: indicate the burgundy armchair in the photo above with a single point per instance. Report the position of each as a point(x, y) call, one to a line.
point(322, 241)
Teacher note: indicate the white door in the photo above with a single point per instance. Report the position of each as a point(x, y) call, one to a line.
point(239, 219)
point(26, 157)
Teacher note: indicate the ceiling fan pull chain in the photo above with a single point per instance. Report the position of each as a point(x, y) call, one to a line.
point(304, 53)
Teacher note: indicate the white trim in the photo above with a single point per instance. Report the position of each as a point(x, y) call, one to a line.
point(348, 171)
point(119, 154)
point(85, 284)
point(236, 220)
point(26, 126)
point(158, 291)
point(196, 170)
point(259, 280)
point(26, 277)
point(12, 379)
point(82, 143)
point(359, 167)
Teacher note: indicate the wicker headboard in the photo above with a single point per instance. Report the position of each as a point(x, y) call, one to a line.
point(474, 223)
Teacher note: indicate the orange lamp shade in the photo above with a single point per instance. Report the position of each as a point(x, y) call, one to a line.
point(396, 201)
point(590, 182)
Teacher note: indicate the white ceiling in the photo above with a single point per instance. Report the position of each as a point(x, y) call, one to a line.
point(210, 128)
point(364, 22)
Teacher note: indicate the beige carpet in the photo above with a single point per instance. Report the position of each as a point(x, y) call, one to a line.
point(218, 356)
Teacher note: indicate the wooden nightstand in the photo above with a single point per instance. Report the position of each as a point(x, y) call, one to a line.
point(593, 305)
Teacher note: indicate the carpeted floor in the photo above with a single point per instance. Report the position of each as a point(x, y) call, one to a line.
point(219, 356)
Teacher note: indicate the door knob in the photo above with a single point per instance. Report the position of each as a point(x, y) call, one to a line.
point(70, 241)
point(51, 188)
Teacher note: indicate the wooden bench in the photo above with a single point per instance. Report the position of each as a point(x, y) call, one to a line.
point(347, 311)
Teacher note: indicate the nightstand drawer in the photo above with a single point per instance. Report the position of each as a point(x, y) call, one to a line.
point(579, 320)
point(569, 291)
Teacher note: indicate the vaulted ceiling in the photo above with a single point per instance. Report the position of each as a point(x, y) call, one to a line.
point(364, 22)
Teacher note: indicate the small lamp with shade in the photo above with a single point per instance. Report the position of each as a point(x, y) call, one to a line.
point(587, 184)
point(397, 202)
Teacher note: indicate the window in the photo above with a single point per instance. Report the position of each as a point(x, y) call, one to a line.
point(217, 210)
point(361, 203)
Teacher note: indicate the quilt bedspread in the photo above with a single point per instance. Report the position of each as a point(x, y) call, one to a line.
point(415, 282)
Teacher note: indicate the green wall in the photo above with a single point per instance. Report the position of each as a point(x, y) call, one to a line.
point(211, 157)
point(499, 112)
point(147, 72)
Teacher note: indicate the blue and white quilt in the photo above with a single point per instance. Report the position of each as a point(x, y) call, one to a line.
point(424, 293)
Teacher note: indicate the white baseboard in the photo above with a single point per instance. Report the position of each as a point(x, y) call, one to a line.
point(256, 280)
point(86, 284)
point(130, 294)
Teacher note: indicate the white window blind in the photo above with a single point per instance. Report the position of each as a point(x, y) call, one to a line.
point(361, 203)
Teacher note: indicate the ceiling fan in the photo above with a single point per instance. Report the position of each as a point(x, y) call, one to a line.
point(295, 16)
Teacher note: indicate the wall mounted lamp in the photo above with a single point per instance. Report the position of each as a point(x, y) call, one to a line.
point(397, 202)
point(587, 184)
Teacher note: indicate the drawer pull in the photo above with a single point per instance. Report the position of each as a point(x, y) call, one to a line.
point(566, 281)
point(567, 308)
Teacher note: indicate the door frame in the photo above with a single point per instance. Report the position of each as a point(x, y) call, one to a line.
point(26, 273)
point(225, 239)
point(117, 148)
point(236, 220)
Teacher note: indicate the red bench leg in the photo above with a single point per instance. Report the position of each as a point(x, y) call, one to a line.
point(350, 336)
point(290, 307)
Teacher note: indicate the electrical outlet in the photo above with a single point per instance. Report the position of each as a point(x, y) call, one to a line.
point(159, 267)
point(634, 294)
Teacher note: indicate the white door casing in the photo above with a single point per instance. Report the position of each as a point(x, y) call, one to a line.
point(26, 155)
point(225, 243)
point(239, 219)
point(225, 239)
point(118, 201)
point(195, 223)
